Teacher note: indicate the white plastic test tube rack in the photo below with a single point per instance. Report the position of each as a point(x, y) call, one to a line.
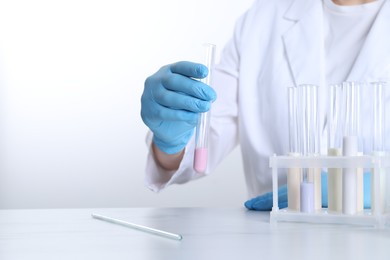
point(376, 218)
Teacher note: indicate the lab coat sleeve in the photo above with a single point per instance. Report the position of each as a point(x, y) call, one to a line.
point(223, 124)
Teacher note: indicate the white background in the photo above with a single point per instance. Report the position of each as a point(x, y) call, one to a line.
point(71, 78)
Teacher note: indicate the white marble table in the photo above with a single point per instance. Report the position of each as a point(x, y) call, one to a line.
point(208, 233)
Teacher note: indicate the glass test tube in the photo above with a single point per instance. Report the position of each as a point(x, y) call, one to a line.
point(351, 93)
point(378, 144)
point(294, 175)
point(360, 170)
point(379, 116)
point(202, 128)
point(335, 120)
point(310, 196)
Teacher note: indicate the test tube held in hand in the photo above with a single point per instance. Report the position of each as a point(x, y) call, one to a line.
point(202, 128)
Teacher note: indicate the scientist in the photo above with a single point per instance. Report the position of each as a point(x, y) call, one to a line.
point(276, 44)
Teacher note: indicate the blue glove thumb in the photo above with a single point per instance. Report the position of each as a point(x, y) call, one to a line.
point(264, 202)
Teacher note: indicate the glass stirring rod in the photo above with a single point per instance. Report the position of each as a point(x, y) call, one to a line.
point(138, 227)
point(202, 129)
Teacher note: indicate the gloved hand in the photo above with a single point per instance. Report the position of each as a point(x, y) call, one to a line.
point(171, 101)
point(264, 202)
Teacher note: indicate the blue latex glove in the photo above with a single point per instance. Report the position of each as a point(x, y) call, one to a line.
point(264, 202)
point(171, 102)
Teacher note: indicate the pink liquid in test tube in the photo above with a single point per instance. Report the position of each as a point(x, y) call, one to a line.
point(200, 160)
point(202, 129)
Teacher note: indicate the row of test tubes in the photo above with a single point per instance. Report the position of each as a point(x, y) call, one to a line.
point(344, 138)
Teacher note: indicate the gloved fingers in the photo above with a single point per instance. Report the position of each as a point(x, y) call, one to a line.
point(265, 202)
point(249, 204)
point(189, 69)
point(262, 202)
point(177, 100)
point(264, 205)
point(189, 86)
point(155, 116)
point(283, 204)
point(282, 193)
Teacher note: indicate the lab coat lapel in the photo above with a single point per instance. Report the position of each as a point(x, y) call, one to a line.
point(304, 42)
point(373, 61)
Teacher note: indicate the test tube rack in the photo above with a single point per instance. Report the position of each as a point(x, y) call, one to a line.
point(376, 218)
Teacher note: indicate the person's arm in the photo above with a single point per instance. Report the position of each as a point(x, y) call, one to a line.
point(170, 105)
point(173, 164)
point(169, 162)
point(164, 168)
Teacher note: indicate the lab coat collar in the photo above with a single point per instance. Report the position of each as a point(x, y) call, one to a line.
point(304, 42)
point(373, 61)
point(297, 9)
point(304, 45)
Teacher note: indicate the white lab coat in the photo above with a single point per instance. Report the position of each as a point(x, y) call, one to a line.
point(276, 44)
